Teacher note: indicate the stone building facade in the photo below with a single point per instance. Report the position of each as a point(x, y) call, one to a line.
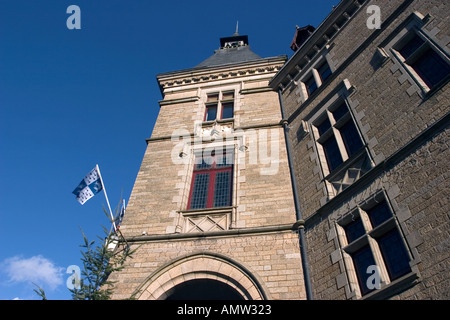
point(368, 116)
point(222, 198)
point(211, 211)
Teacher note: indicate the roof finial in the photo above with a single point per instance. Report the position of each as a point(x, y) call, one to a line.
point(237, 28)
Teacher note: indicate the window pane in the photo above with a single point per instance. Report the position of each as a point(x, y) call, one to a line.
point(200, 187)
point(227, 111)
point(222, 189)
point(431, 68)
point(379, 214)
point(354, 230)
point(211, 113)
point(332, 153)
point(228, 95)
point(224, 160)
point(351, 137)
point(394, 253)
point(362, 259)
point(411, 46)
point(324, 126)
point(324, 71)
point(340, 111)
point(311, 85)
point(203, 163)
point(213, 97)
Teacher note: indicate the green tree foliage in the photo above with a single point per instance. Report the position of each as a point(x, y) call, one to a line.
point(99, 261)
point(40, 292)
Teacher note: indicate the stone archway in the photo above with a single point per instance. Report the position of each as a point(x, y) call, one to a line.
point(203, 289)
point(187, 275)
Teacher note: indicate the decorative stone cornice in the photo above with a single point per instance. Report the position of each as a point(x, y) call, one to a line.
point(267, 66)
point(218, 76)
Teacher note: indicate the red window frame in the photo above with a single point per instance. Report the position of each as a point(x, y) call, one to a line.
point(213, 106)
point(212, 101)
point(212, 170)
point(219, 101)
point(227, 105)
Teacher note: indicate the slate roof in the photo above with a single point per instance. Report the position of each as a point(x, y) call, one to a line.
point(230, 55)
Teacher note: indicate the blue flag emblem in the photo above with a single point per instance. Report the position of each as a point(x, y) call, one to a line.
point(88, 187)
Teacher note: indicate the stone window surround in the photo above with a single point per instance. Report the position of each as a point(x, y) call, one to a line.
point(343, 91)
point(219, 104)
point(230, 214)
point(213, 170)
point(312, 71)
point(318, 137)
point(416, 23)
point(203, 94)
point(360, 210)
point(346, 279)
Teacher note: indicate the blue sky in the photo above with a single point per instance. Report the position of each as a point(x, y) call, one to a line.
point(71, 99)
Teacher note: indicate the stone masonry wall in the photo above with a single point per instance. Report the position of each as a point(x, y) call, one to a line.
point(390, 114)
point(273, 259)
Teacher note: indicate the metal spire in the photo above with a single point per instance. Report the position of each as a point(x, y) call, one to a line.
point(237, 28)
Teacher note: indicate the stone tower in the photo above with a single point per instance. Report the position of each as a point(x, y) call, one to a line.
point(212, 210)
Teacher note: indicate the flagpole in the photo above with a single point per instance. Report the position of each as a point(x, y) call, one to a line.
point(106, 196)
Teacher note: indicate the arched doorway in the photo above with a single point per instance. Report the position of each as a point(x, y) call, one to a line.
point(203, 289)
point(201, 276)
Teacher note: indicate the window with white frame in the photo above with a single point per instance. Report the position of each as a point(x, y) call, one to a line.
point(369, 235)
point(420, 55)
point(219, 105)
